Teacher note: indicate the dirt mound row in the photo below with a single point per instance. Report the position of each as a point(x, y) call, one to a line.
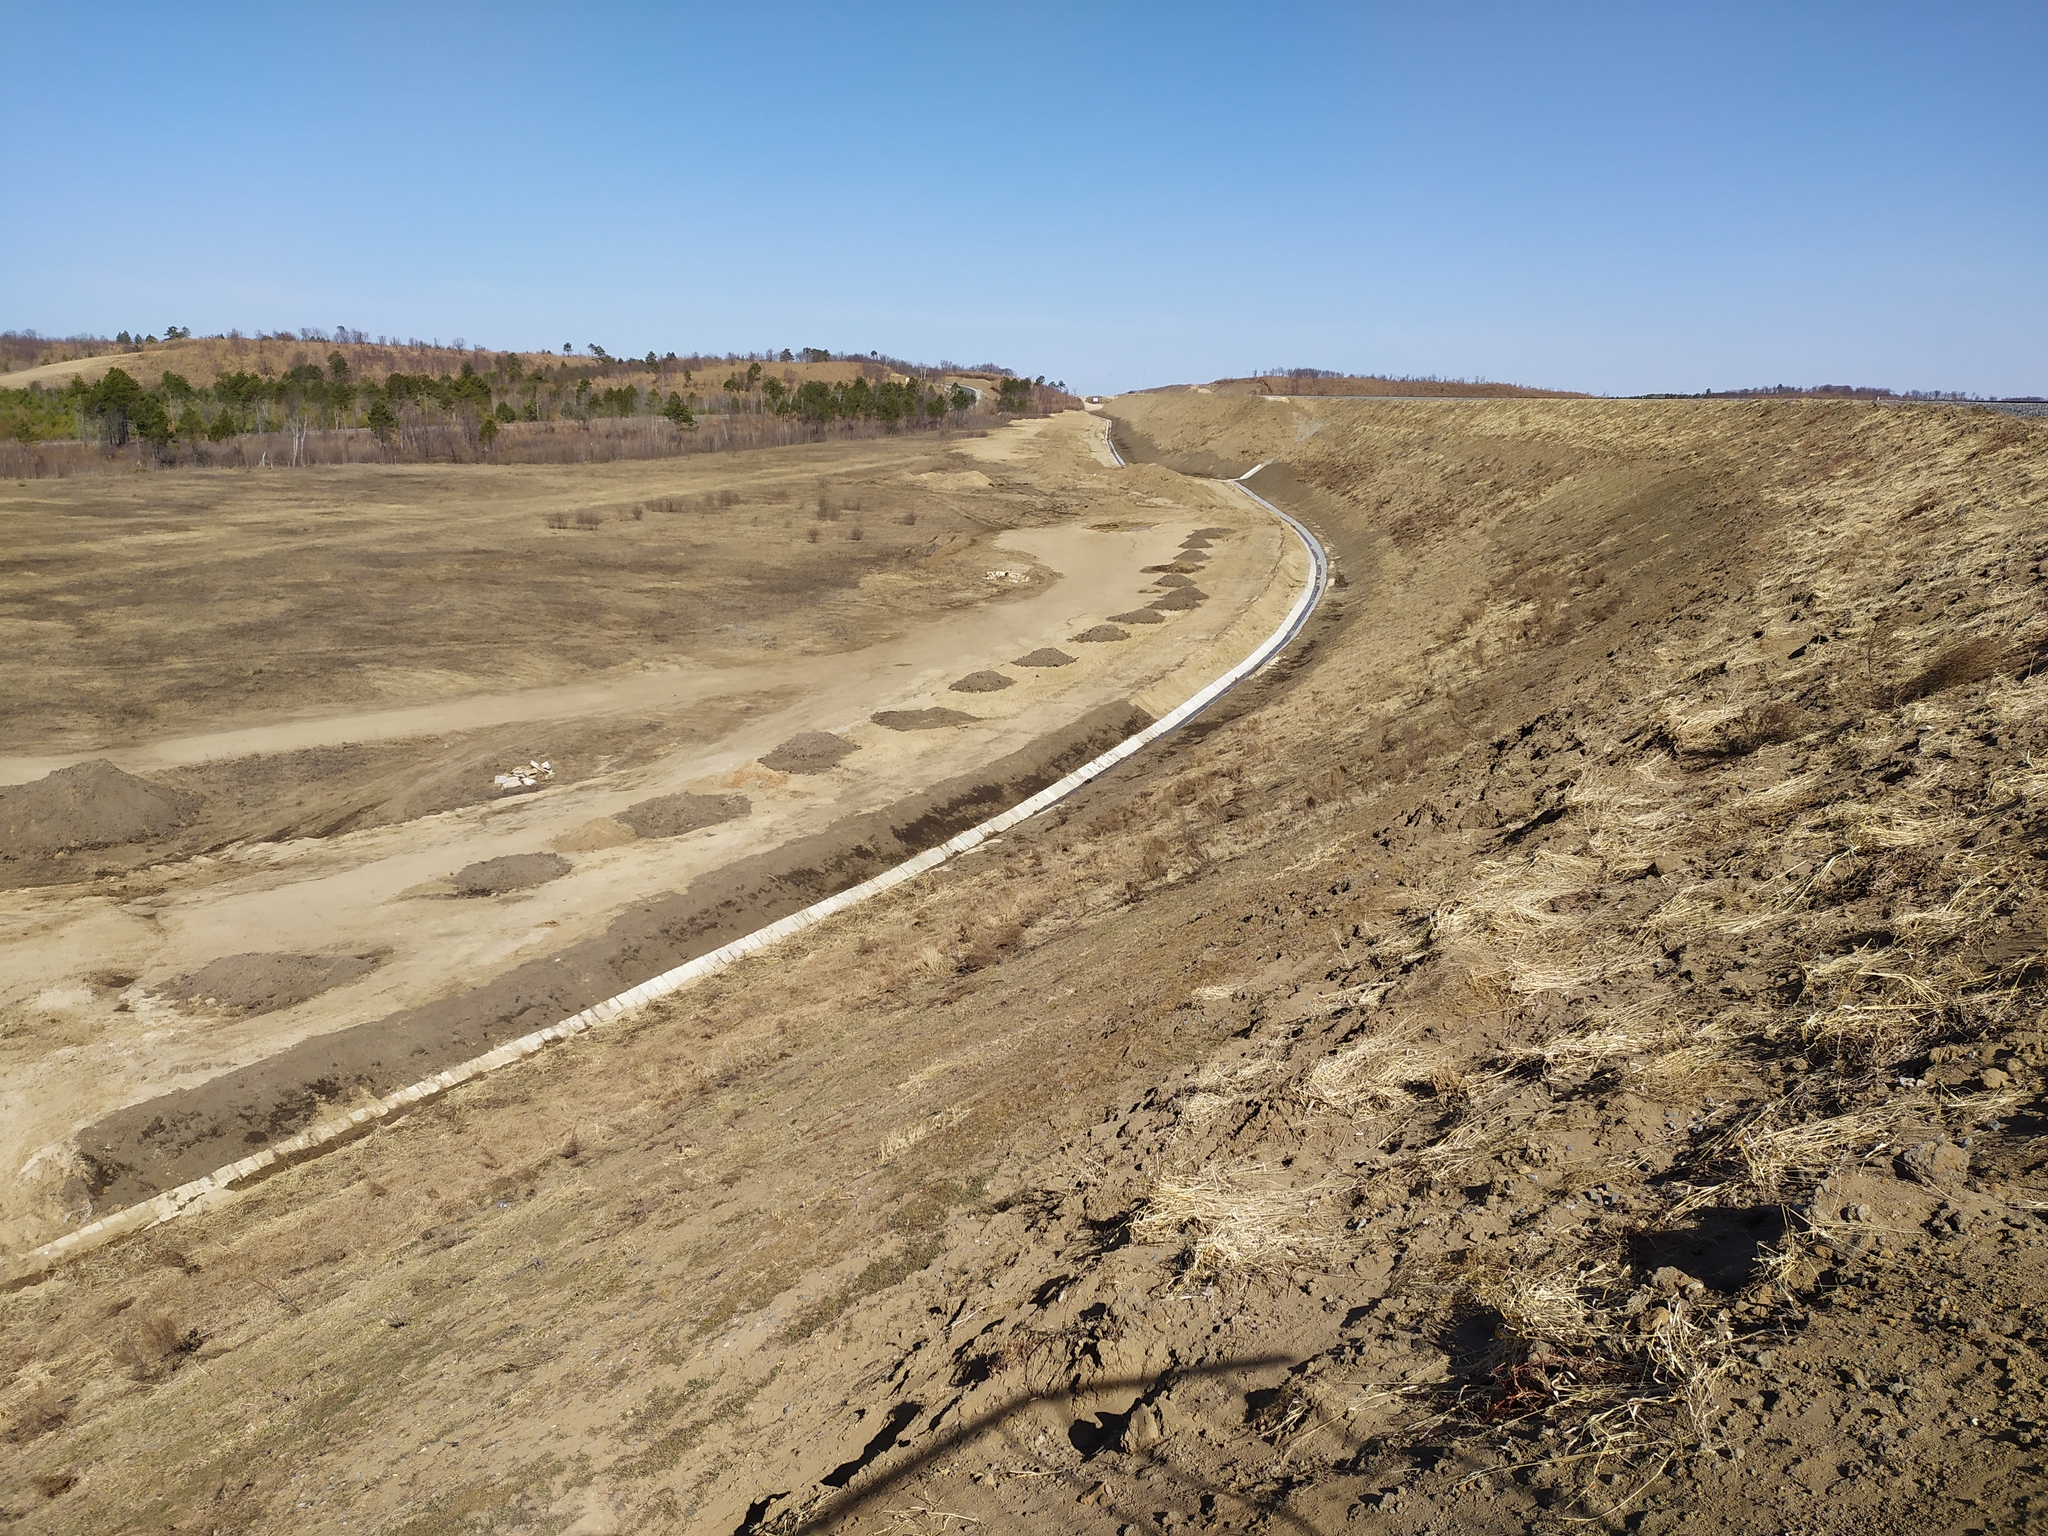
point(152, 1146)
point(922, 719)
point(809, 752)
point(88, 805)
point(263, 983)
point(1180, 601)
point(982, 682)
point(1044, 656)
point(512, 872)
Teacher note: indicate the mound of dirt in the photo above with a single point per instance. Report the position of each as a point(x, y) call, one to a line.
point(673, 815)
point(88, 805)
point(1181, 601)
point(1136, 616)
point(809, 752)
point(1194, 541)
point(1044, 656)
point(257, 983)
point(982, 682)
point(512, 872)
point(1174, 568)
point(922, 719)
point(603, 832)
point(1100, 634)
point(1213, 533)
point(1175, 581)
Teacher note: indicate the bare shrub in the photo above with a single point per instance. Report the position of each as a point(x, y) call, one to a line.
point(154, 1346)
point(1761, 725)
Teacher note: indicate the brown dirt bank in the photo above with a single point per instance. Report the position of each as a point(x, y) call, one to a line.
point(166, 1141)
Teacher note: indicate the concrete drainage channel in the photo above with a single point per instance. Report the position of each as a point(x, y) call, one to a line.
point(208, 1188)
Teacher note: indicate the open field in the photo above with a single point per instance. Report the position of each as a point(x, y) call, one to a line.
point(1561, 1052)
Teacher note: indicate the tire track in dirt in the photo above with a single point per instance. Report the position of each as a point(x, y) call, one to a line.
point(208, 1189)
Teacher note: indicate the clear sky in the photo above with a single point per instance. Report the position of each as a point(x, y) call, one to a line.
point(1609, 197)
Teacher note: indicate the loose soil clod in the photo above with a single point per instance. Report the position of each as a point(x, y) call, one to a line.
point(88, 805)
point(673, 815)
point(262, 983)
point(984, 681)
point(512, 872)
point(809, 752)
point(934, 719)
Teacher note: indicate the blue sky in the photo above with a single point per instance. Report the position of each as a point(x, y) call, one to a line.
point(1616, 198)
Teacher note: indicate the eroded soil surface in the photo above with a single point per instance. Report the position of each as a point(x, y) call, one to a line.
point(1560, 1053)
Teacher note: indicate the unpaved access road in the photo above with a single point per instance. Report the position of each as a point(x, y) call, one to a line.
point(99, 1026)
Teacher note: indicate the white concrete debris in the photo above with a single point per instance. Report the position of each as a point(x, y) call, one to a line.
point(519, 781)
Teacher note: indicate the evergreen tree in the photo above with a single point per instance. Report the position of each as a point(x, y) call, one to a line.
point(382, 420)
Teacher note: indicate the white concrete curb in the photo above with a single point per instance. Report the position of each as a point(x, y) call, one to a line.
point(209, 1187)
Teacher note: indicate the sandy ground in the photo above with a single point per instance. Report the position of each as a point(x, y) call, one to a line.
point(383, 892)
point(1561, 1053)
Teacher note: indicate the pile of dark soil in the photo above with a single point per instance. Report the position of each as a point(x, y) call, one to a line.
point(1181, 601)
point(1136, 616)
point(1181, 567)
point(1101, 634)
point(982, 682)
point(1175, 581)
point(1044, 656)
point(513, 872)
point(258, 983)
point(809, 752)
point(88, 805)
point(673, 815)
point(922, 719)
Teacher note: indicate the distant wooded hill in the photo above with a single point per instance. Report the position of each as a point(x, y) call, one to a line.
point(211, 399)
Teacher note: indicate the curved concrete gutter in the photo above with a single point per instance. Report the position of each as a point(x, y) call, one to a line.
point(210, 1188)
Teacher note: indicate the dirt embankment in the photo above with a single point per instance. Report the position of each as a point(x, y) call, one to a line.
point(1562, 1054)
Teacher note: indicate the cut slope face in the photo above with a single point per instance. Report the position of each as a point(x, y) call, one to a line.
point(1573, 1025)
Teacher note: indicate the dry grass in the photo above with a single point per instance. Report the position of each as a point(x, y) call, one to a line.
point(1235, 1217)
